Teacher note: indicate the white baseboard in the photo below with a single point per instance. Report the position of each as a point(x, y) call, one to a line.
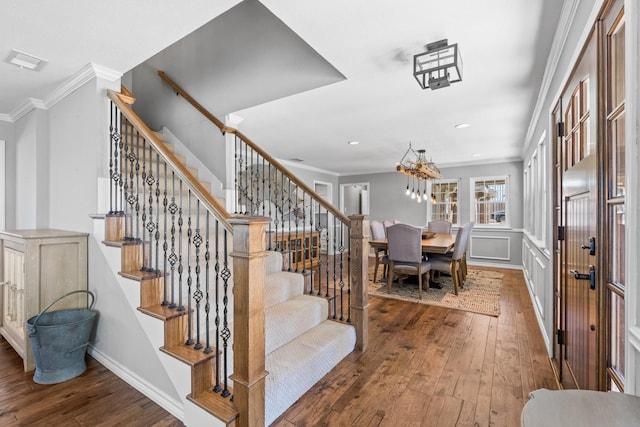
point(493, 265)
point(172, 406)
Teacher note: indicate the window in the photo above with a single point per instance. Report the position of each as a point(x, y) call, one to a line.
point(444, 201)
point(535, 193)
point(489, 201)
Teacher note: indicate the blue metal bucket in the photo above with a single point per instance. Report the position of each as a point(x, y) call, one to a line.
point(59, 340)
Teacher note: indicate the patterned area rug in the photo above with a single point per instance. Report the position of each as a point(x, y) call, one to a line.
point(481, 292)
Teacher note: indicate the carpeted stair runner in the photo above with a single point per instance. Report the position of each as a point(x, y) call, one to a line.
point(301, 344)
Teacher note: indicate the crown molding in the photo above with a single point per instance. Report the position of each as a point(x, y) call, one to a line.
point(77, 80)
point(306, 167)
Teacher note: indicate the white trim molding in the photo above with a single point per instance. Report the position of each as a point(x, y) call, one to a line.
point(86, 74)
point(482, 256)
point(175, 408)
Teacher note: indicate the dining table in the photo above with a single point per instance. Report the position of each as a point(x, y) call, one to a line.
point(435, 243)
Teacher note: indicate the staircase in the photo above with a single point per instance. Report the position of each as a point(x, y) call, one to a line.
point(301, 343)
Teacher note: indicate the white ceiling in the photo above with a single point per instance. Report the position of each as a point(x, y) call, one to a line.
point(504, 46)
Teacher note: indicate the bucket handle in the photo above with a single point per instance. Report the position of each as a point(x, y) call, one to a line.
point(93, 300)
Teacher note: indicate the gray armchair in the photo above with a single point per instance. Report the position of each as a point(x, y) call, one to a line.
point(404, 251)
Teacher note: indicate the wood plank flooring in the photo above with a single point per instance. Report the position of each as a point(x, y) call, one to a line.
point(426, 366)
point(431, 366)
point(96, 398)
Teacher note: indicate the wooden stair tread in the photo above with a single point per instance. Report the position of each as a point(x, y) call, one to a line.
point(140, 275)
point(216, 405)
point(188, 354)
point(113, 243)
point(162, 312)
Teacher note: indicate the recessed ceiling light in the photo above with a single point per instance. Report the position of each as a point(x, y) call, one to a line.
point(25, 60)
point(476, 155)
point(296, 159)
point(353, 142)
point(462, 125)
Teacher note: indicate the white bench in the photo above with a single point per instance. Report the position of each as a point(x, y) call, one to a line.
point(548, 408)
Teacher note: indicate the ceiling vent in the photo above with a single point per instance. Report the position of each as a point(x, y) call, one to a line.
point(25, 60)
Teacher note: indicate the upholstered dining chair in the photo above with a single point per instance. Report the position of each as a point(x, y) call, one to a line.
point(387, 223)
point(453, 264)
point(377, 233)
point(466, 249)
point(440, 226)
point(404, 251)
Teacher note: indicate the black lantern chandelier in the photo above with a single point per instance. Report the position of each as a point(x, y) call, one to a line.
point(419, 170)
point(439, 66)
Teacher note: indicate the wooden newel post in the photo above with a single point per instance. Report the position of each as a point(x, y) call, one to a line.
point(359, 241)
point(248, 330)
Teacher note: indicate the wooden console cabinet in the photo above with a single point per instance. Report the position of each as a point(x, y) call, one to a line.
point(303, 247)
point(38, 266)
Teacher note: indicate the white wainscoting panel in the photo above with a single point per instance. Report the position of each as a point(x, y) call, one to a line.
point(540, 287)
point(490, 247)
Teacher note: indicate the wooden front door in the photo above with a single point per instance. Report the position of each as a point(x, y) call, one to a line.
point(576, 354)
point(580, 315)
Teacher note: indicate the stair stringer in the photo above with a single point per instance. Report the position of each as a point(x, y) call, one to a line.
point(204, 173)
point(178, 373)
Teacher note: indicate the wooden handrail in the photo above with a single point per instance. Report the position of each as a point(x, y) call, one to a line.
point(181, 171)
point(225, 129)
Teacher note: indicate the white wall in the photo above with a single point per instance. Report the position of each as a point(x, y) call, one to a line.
point(3, 180)
point(59, 155)
point(7, 135)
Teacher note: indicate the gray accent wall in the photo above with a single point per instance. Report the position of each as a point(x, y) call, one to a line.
point(496, 245)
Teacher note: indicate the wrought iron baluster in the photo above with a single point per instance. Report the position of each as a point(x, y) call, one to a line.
point(341, 281)
point(335, 251)
point(116, 176)
point(246, 181)
point(180, 267)
point(226, 333)
point(311, 230)
point(235, 176)
point(116, 135)
point(264, 201)
point(328, 262)
point(250, 182)
point(137, 202)
point(349, 276)
point(151, 225)
point(273, 195)
point(173, 258)
point(288, 201)
point(207, 305)
point(125, 175)
point(133, 190)
point(189, 340)
point(119, 172)
point(111, 142)
point(269, 198)
point(217, 387)
point(298, 255)
point(307, 244)
point(157, 228)
point(143, 217)
point(165, 243)
point(197, 295)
